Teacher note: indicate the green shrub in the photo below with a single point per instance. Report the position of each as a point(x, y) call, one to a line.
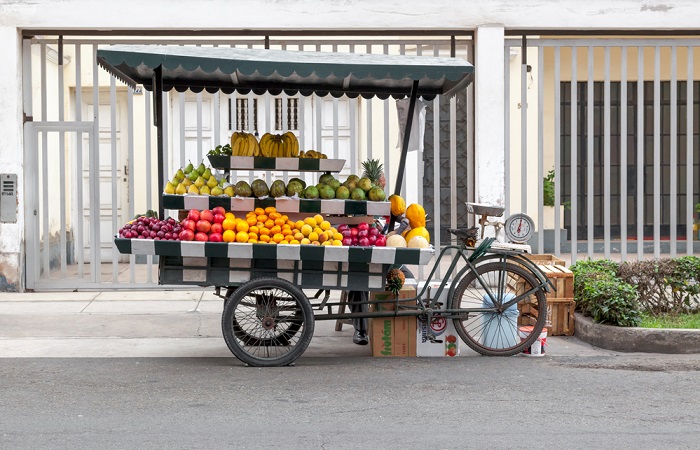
point(586, 271)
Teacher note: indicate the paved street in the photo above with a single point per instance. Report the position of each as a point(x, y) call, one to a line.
point(170, 381)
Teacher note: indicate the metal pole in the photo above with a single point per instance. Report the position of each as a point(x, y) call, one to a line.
point(158, 122)
point(406, 138)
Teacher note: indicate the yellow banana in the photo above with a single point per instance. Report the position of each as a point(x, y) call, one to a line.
point(283, 148)
point(235, 146)
point(252, 143)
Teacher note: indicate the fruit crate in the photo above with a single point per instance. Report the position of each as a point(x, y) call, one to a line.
point(283, 205)
point(280, 163)
point(560, 303)
point(546, 259)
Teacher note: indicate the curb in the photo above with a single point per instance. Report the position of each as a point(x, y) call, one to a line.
point(632, 339)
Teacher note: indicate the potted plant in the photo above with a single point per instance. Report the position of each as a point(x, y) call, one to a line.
point(548, 201)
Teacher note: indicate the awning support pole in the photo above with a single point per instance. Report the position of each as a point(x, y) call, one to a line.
point(158, 122)
point(406, 138)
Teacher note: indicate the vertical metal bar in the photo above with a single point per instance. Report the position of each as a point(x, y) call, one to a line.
point(557, 149)
point(590, 150)
point(402, 186)
point(471, 154)
point(368, 102)
point(251, 121)
point(353, 128)
point(387, 167)
point(606, 154)
point(407, 134)
point(165, 154)
point(506, 129)
point(523, 126)
point(217, 120)
point(623, 155)
point(30, 172)
point(183, 139)
point(160, 132)
point(689, 137)
point(641, 135)
point(657, 151)
point(200, 156)
point(130, 163)
point(62, 159)
point(336, 137)
point(149, 172)
point(114, 162)
point(673, 180)
point(453, 160)
point(44, 177)
point(437, 235)
point(80, 220)
point(574, 154)
point(540, 147)
point(95, 207)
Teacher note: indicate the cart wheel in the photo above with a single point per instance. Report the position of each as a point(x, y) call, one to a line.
point(506, 332)
point(267, 322)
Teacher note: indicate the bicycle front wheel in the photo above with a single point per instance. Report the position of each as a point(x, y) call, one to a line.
point(497, 329)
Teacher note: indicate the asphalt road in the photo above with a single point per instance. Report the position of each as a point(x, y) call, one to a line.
point(619, 401)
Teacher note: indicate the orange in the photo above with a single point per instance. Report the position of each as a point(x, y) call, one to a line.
point(313, 236)
point(251, 220)
point(294, 241)
point(280, 222)
point(318, 218)
point(264, 231)
point(229, 236)
point(278, 237)
point(289, 238)
point(270, 209)
point(259, 211)
point(284, 216)
point(253, 229)
point(252, 236)
point(276, 229)
point(242, 226)
point(262, 218)
point(241, 236)
point(286, 227)
point(337, 236)
point(252, 241)
point(298, 224)
point(264, 238)
point(229, 224)
point(275, 215)
point(229, 215)
point(287, 232)
point(251, 214)
point(269, 223)
point(283, 242)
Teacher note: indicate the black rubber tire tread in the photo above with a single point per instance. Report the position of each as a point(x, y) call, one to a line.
point(526, 277)
point(237, 339)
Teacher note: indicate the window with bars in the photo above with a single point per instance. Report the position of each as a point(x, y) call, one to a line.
point(240, 115)
point(647, 134)
point(292, 113)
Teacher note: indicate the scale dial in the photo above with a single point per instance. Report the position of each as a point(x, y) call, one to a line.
point(519, 228)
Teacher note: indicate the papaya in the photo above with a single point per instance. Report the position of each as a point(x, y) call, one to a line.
point(398, 205)
point(418, 231)
point(415, 215)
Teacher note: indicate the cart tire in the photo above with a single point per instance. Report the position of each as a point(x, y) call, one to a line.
point(499, 333)
point(281, 339)
point(267, 322)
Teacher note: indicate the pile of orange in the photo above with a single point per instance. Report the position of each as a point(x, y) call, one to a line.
point(269, 226)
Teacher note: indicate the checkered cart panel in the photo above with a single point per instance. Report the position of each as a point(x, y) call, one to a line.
point(282, 204)
point(289, 252)
point(264, 163)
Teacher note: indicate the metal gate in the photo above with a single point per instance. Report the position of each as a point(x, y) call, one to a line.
point(109, 174)
point(608, 129)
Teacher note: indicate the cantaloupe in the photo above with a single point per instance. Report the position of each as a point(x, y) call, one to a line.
point(418, 242)
point(396, 240)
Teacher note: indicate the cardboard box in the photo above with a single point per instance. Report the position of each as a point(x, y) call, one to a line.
point(447, 341)
point(393, 336)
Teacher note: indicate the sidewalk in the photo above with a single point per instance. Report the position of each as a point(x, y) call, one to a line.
point(156, 323)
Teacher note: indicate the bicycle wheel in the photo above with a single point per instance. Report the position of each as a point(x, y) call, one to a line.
point(267, 322)
point(499, 331)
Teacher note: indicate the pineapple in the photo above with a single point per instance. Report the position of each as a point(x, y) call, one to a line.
point(394, 281)
point(374, 170)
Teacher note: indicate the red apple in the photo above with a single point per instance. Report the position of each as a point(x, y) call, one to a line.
point(204, 226)
point(372, 240)
point(193, 215)
point(207, 215)
point(219, 218)
point(353, 232)
point(363, 242)
point(347, 241)
point(362, 234)
point(381, 241)
point(215, 237)
point(186, 235)
point(219, 210)
point(201, 237)
point(374, 231)
point(189, 224)
point(363, 226)
point(343, 227)
point(215, 228)
point(346, 233)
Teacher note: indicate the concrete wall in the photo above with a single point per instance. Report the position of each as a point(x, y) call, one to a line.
point(490, 18)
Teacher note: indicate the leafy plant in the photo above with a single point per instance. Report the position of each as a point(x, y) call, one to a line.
point(611, 301)
point(548, 191)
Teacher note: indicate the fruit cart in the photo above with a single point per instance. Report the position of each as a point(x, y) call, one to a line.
point(268, 319)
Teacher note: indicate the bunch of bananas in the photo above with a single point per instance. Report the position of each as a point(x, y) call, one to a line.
point(244, 144)
point(279, 145)
point(312, 154)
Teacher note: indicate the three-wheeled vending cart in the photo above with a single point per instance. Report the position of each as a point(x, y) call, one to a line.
point(496, 300)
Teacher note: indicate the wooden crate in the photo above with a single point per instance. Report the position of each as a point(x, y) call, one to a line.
point(546, 259)
point(560, 316)
point(562, 278)
point(560, 303)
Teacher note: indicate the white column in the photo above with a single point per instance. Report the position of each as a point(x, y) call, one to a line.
point(489, 114)
point(11, 156)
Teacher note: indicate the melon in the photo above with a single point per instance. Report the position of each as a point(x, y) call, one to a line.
point(418, 242)
point(396, 241)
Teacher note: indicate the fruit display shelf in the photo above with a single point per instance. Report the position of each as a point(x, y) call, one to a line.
point(310, 266)
point(265, 163)
point(283, 205)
